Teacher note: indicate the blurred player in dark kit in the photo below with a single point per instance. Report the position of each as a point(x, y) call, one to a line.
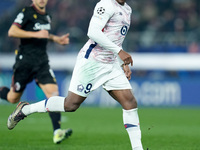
point(32, 26)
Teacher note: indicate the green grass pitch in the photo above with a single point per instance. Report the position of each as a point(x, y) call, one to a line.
point(97, 128)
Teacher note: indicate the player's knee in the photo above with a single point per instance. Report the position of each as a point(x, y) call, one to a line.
point(13, 97)
point(71, 107)
point(13, 100)
point(71, 110)
point(133, 101)
point(130, 103)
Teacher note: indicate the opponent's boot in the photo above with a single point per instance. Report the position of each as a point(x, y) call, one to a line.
point(60, 135)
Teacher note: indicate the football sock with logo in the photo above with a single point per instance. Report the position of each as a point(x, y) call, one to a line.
point(55, 119)
point(131, 123)
point(4, 92)
point(53, 104)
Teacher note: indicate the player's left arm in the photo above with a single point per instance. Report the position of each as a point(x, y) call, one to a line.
point(62, 40)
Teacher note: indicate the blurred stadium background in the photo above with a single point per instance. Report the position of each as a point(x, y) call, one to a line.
point(164, 40)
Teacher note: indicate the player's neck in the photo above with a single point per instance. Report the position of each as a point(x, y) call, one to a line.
point(39, 10)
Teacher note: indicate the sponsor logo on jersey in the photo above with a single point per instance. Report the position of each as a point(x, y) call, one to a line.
point(39, 26)
point(124, 30)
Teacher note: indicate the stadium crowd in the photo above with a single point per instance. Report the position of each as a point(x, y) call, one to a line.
point(157, 25)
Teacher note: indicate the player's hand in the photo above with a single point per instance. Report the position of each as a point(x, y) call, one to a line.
point(125, 57)
point(127, 71)
point(62, 40)
point(42, 34)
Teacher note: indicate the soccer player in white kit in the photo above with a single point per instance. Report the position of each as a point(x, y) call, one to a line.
point(101, 62)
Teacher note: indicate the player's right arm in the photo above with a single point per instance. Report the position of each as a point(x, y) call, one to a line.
point(102, 13)
point(17, 32)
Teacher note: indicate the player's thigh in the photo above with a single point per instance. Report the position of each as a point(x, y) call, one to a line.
point(22, 75)
point(125, 97)
point(50, 89)
point(14, 97)
point(45, 75)
point(46, 80)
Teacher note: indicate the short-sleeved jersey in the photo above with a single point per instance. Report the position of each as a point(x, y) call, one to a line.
point(115, 20)
point(30, 19)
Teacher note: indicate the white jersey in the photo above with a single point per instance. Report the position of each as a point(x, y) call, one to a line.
point(107, 30)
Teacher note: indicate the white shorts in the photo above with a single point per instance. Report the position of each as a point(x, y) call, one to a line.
point(88, 75)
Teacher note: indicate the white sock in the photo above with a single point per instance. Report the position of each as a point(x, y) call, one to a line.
point(53, 104)
point(35, 107)
point(132, 125)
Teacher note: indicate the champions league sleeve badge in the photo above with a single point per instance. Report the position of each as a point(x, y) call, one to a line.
point(100, 10)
